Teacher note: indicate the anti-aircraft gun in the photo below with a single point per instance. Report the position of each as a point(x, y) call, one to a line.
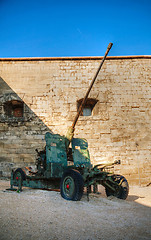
point(65, 164)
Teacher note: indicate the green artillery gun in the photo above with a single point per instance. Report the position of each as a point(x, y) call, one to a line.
point(65, 164)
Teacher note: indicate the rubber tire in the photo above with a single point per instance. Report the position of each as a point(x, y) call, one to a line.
point(23, 174)
point(124, 190)
point(76, 180)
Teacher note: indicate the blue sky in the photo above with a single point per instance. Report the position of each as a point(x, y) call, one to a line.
point(42, 28)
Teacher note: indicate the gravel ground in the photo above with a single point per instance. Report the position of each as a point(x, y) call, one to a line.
point(37, 214)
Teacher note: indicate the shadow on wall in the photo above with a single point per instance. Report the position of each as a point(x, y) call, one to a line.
point(21, 131)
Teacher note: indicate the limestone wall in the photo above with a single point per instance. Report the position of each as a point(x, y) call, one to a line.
point(119, 127)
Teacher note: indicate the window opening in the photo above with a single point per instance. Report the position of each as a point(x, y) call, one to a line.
point(89, 105)
point(14, 108)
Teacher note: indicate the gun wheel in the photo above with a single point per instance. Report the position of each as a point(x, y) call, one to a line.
point(19, 176)
point(72, 185)
point(122, 189)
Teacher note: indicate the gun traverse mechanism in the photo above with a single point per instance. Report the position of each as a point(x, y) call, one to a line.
point(69, 169)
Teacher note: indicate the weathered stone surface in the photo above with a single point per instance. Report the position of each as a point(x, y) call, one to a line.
point(119, 128)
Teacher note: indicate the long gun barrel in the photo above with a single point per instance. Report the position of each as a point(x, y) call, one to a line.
point(70, 132)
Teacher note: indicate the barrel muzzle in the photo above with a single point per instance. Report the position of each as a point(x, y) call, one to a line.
point(109, 46)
